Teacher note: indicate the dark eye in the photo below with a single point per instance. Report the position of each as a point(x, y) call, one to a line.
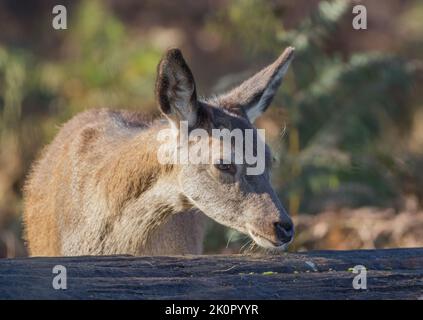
point(227, 167)
point(223, 167)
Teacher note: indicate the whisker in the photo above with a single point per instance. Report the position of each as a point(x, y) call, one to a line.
point(229, 239)
point(283, 131)
point(254, 248)
point(250, 247)
point(244, 245)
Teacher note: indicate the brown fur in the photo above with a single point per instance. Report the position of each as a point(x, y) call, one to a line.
point(106, 151)
point(98, 188)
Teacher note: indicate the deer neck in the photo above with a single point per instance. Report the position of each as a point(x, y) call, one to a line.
point(142, 193)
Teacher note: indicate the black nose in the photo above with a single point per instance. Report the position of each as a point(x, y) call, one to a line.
point(284, 231)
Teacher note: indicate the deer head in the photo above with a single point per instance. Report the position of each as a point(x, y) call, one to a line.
point(221, 187)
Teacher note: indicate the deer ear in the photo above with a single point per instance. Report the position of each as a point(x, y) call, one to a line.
point(175, 89)
point(254, 95)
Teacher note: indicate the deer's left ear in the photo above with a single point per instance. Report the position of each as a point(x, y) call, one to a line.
point(254, 95)
point(175, 89)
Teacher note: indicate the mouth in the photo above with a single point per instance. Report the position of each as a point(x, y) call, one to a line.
point(266, 243)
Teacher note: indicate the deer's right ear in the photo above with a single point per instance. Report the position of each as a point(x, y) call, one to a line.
point(175, 89)
point(254, 95)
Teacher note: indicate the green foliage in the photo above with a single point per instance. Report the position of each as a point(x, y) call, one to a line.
point(102, 67)
point(97, 64)
point(252, 22)
point(12, 78)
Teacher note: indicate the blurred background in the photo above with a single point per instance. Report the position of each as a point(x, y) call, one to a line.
point(346, 127)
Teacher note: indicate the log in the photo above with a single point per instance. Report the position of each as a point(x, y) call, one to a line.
point(391, 274)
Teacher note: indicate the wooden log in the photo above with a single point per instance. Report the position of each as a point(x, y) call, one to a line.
point(391, 274)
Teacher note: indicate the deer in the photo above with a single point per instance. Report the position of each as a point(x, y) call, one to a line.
point(99, 189)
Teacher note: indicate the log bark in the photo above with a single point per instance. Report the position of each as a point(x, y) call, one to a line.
point(391, 274)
